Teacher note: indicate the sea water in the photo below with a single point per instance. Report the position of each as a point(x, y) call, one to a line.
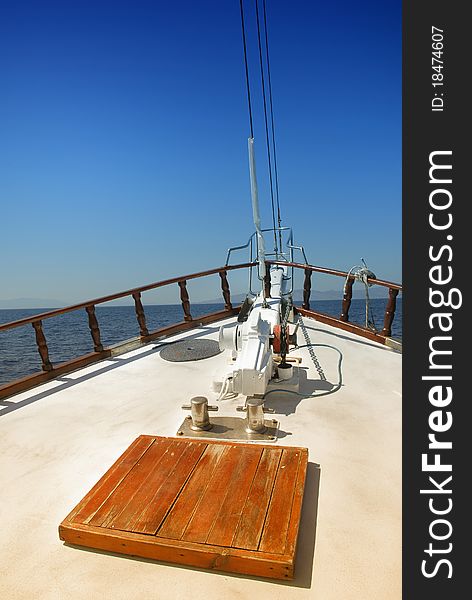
point(68, 335)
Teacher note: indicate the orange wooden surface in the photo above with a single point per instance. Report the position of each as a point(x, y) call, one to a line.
point(100, 492)
point(137, 476)
point(176, 522)
point(248, 532)
point(278, 513)
point(220, 505)
point(153, 511)
point(224, 527)
point(210, 501)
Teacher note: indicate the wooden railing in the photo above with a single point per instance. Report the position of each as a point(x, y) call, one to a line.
point(343, 321)
point(51, 371)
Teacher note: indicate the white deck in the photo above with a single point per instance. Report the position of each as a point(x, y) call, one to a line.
point(65, 434)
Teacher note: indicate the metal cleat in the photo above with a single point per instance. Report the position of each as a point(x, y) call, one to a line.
point(199, 415)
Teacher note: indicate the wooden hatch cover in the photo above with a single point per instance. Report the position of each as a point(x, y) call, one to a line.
point(217, 505)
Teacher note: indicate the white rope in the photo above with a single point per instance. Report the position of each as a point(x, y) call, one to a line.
point(224, 389)
point(224, 392)
point(363, 274)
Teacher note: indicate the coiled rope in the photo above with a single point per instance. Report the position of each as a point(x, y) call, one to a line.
point(363, 274)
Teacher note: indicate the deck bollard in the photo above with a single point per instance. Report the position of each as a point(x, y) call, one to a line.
point(200, 418)
point(255, 415)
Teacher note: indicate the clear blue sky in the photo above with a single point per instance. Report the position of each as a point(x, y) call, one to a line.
point(123, 135)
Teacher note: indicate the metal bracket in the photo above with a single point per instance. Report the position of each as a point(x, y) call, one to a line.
point(209, 407)
point(243, 408)
point(231, 428)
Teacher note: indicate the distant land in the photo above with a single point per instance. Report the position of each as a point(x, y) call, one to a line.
point(374, 292)
point(31, 303)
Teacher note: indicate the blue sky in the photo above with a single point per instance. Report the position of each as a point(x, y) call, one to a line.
point(123, 139)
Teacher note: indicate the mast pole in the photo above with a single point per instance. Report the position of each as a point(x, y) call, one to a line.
point(255, 210)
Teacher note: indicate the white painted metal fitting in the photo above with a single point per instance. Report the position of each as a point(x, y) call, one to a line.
point(285, 371)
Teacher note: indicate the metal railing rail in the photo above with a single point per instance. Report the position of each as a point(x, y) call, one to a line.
point(280, 256)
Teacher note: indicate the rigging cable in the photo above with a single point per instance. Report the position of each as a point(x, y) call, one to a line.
point(247, 70)
point(266, 129)
point(279, 219)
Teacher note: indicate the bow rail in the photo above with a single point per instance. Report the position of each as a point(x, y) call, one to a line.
point(50, 371)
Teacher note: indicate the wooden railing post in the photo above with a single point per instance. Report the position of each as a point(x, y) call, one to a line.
point(389, 312)
point(42, 346)
point(267, 280)
point(225, 290)
point(94, 328)
point(185, 300)
point(140, 316)
point(307, 289)
point(347, 299)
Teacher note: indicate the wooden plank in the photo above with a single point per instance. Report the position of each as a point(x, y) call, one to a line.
point(30, 381)
point(224, 527)
point(223, 494)
point(278, 515)
point(152, 508)
point(179, 515)
point(251, 523)
point(188, 325)
point(60, 311)
point(125, 491)
point(351, 327)
point(209, 504)
point(343, 274)
point(292, 532)
point(139, 496)
point(87, 507)
point(221, 487)
point(216, 558)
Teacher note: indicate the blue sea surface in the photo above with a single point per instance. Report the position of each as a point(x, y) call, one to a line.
point(68, 335)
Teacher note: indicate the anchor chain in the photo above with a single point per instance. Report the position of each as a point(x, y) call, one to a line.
point(309, 345)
